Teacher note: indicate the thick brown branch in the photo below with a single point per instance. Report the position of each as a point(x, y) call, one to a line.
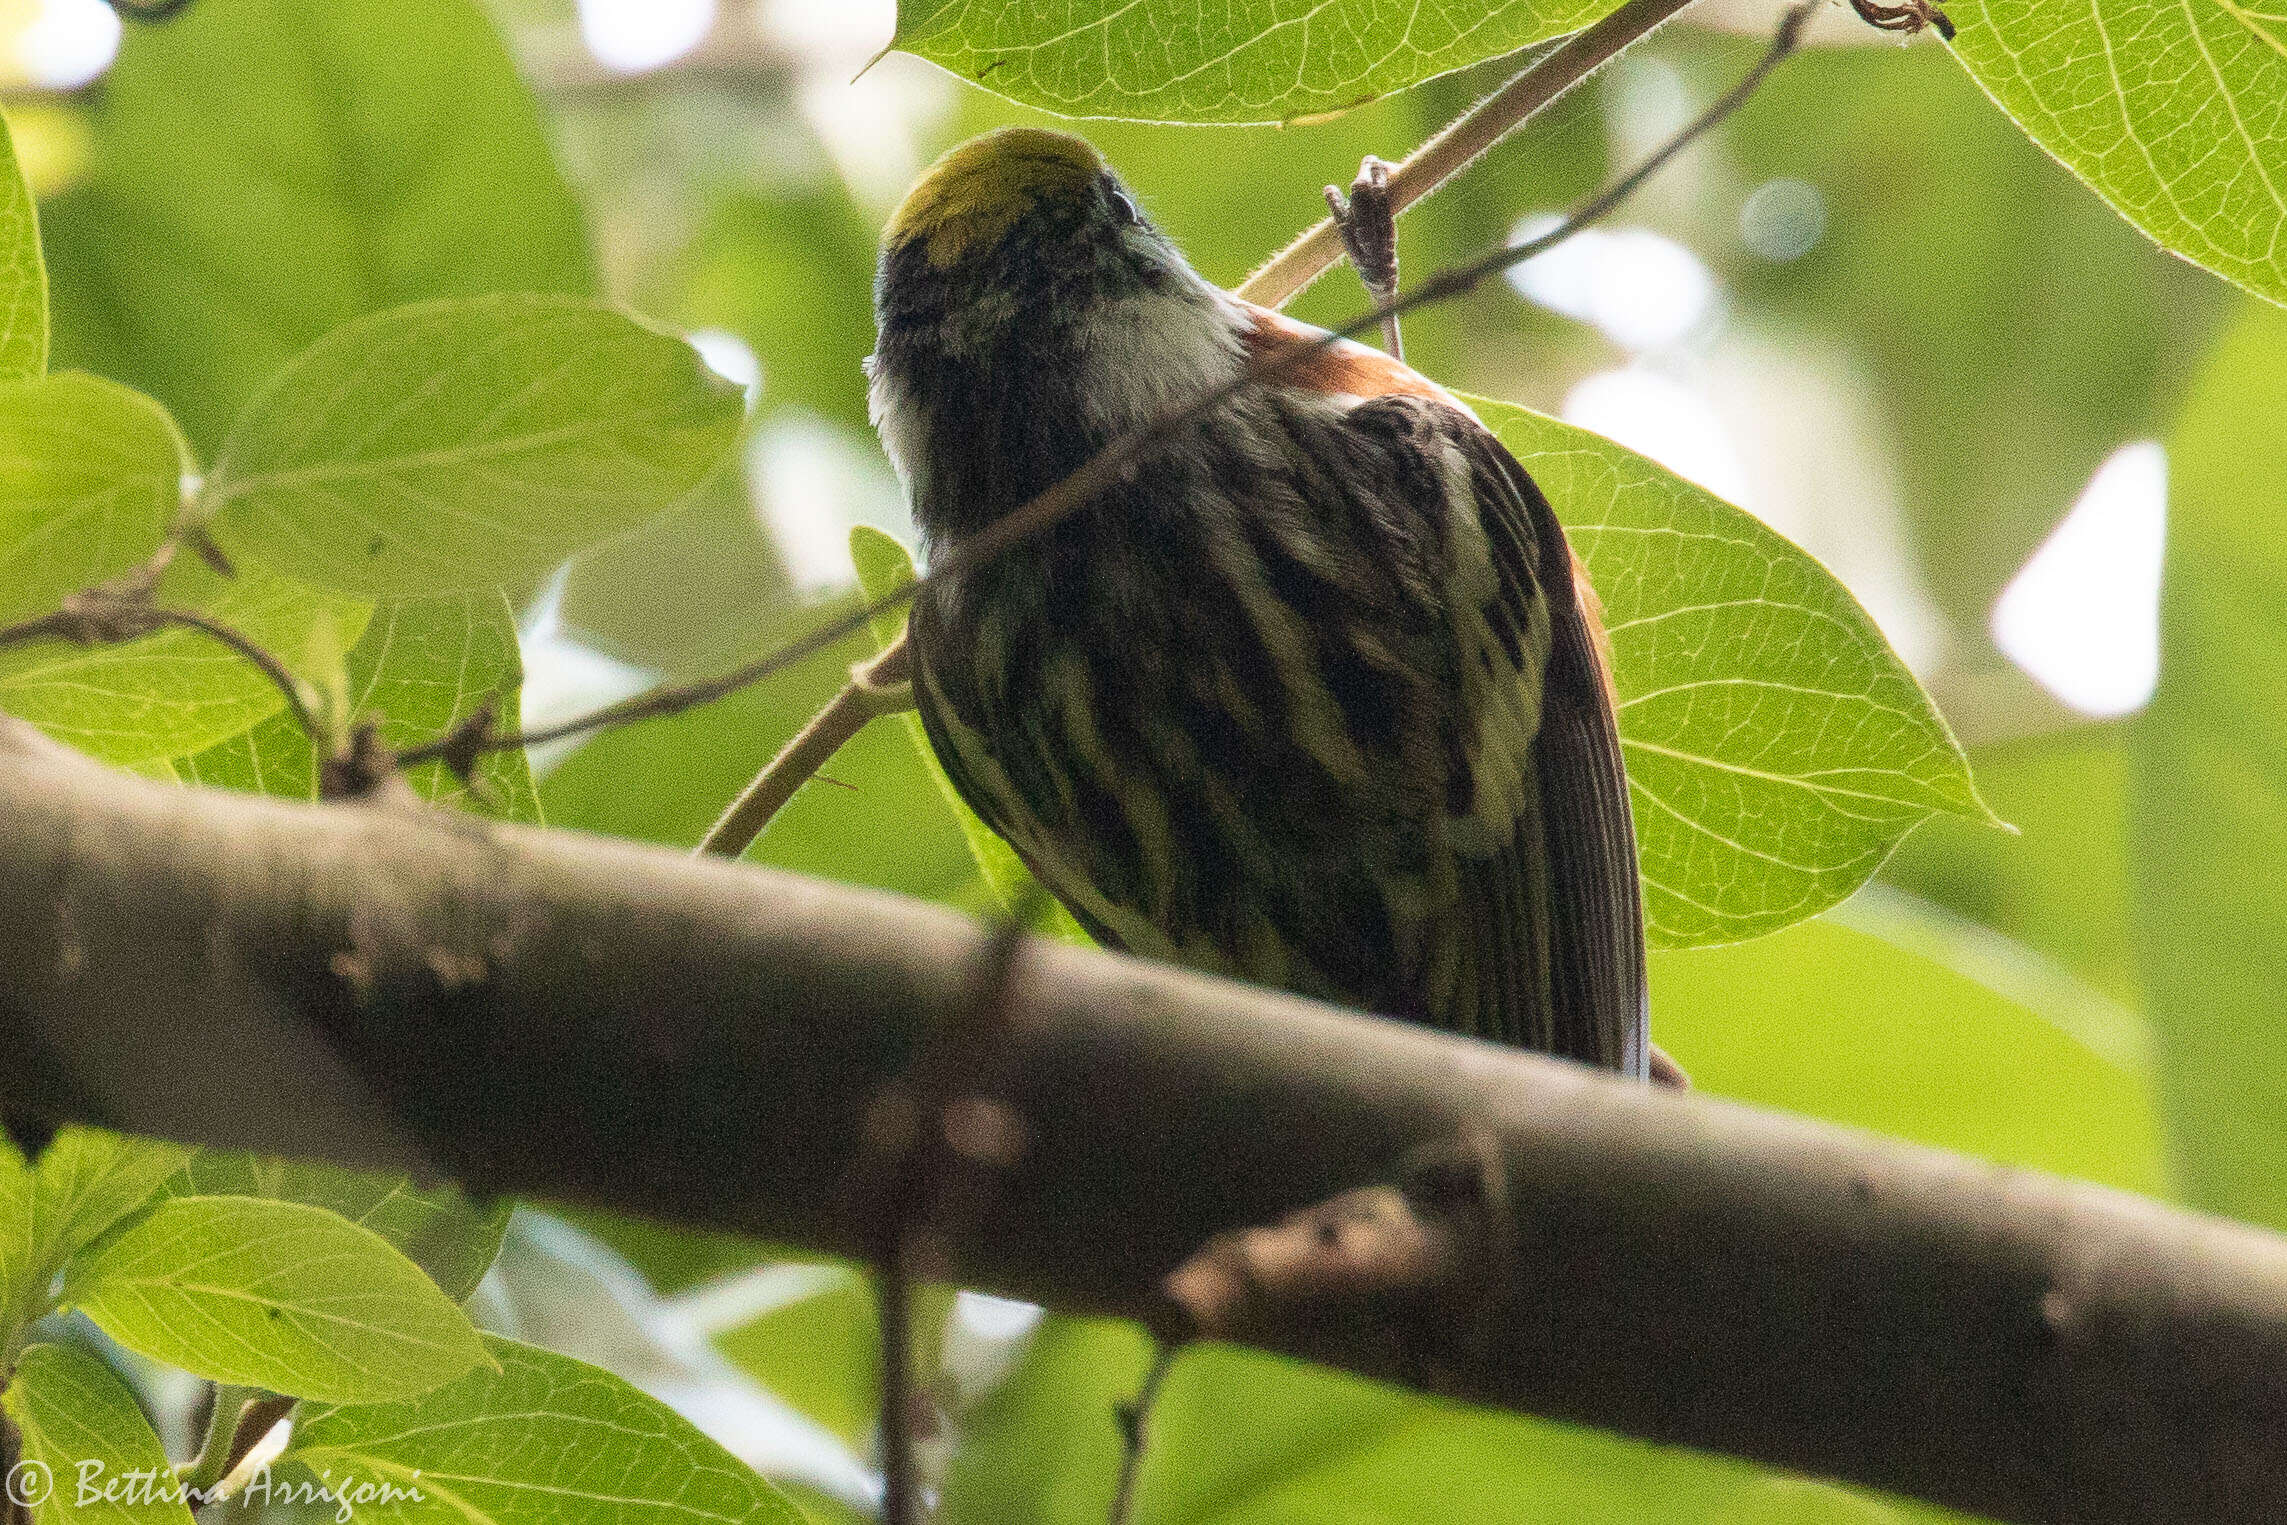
point(564, 1016)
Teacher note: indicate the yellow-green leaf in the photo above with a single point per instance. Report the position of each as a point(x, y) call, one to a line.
point(1777, 749)
point(1220, 60)
point(2175, 111)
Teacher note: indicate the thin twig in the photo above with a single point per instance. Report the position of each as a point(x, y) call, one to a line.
point(102, 617)
point(893, 1300)
point(254, 1421)
point(877, 688)
point(1469, 135)
point(935, 1138)
point(247, 647)
point(225, 1402)
point(1134, 1419)
point(1105, 469)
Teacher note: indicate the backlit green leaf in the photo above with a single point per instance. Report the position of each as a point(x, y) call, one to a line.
point(2176, 113)
point(536, 1436)
point(2207, 794)
point(23, 275)
point(1777, 749)
point(98, 1461)
point(180, 691)
point(87, 1179)
point(422, 665)
point(1193, 61)
point(266, 170)
point(271, 1294)
point(90, 478)
point(439, 1228)
point(461, 445)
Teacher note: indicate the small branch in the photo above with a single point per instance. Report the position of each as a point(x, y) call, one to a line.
point(1134, 1418)
point(210, 1466)
point(1104, 470)
point(901, 1502)
point(875, 689)
point(935, 1141)
point(270, 667)
point(255, 1422)
point(1470, 135)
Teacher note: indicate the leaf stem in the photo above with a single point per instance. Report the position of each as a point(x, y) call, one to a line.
point(1135, 1431)
point(875, 688)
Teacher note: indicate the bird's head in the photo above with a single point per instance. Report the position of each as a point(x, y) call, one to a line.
point(1028, 311)
point(1028, 215)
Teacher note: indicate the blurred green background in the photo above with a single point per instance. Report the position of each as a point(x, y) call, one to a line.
point(1868, 310)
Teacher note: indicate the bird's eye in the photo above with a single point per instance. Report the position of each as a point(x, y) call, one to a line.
point(1124, 209)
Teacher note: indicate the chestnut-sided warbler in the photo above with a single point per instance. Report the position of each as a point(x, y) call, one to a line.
point(1315, 697)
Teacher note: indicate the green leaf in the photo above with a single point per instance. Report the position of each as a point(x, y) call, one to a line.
point(179, 692)
point(90, 478)
point(272, 758)
point(23, 275)
point(1892, 1016)
point(279, 1295)
point(85, 1181)
point(427, 663)
point(2059, 884)
point(2208, 785)
point(422, 665)
point(2174, 113)
point(439, 1228)
point(18, 1249)
point(884, 566)
point(1192, 61)
point(266, 170)
point(536, 1436)
point(99, 1461)
point(1777, 749)
point(462, 445)
point(88, 1179)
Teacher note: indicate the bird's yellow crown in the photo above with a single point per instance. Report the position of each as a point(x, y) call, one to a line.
point(977, 191)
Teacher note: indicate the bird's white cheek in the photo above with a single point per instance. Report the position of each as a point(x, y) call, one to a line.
point(1148, 355)
point(903, 429)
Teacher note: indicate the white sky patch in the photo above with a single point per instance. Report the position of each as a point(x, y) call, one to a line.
point(729, 357)
point(1660, 417)
point(1643, 289)
point(813, 484)
point(69, 43)
point(564, 677)
point(634, 35)
point(877, 123)
point(2083, 616)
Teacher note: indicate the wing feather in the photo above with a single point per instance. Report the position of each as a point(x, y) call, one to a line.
point(1576, 982)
